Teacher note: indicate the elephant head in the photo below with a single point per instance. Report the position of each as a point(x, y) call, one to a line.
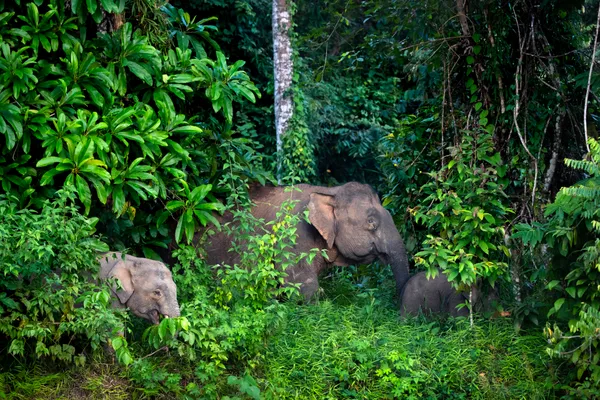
point(147, 286)
point(352, 221)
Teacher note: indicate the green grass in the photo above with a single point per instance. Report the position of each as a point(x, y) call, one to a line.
point(351, 345)
point(40, 381)
point(354, 345)
point(328, 351)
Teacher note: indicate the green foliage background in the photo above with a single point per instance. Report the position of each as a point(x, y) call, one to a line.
point(141, 120)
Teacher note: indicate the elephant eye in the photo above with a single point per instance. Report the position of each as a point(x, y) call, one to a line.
point(372, 223)
point(157, 293)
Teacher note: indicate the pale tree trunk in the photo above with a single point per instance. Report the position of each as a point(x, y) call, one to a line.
point(283, 72)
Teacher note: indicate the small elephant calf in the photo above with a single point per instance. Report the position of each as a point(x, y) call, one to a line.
point(436, 296)
point(147, 286)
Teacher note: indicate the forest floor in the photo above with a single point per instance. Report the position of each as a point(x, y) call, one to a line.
point(350, 344)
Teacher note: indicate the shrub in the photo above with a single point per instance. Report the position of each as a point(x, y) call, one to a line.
point(110, 113)
point(573, 232)
point(50, 304)
point(228, 313)
point(465, 211)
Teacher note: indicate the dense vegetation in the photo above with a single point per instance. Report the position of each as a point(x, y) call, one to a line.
point(127, 125)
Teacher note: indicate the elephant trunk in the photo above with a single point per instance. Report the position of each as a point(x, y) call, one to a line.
point(399, 263)
point(395, 256)
point(171, 310)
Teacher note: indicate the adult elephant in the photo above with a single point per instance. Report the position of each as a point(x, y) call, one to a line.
point(347, 221)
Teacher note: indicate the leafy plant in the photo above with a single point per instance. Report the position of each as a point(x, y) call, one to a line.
point(188, 32)
point(195, 210)
point(463, 206)
point(110, 113)
point(573, 228)
point(49, 301)
point(225, 83)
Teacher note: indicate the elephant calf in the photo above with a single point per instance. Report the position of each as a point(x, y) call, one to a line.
point(147, 286)
point(435, 296)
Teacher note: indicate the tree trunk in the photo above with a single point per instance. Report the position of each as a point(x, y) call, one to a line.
point(283, 72)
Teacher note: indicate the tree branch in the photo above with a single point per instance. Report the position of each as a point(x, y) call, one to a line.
point(517, 105)
point(462, 16)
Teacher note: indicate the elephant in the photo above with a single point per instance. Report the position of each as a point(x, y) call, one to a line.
point(147, 286)
point(438, 296)
point(346, 221)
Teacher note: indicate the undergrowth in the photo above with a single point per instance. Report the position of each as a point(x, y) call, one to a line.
point(329, 351)
point(349, 344)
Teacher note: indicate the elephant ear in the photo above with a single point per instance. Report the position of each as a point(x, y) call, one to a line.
point(321, 215)
point(122, 272)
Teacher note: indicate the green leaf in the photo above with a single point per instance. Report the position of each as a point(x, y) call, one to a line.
point(185, 324)
point(190, 225)
point(200, 192)
point(552, 284)
point(118, 199)
point(174, 205)
point(162, 329)
point(558, 304)
point(44, 162)
point(178, 229)
point(572, 291)
point(172, 326)
point(139, 71)
point(188, 129)
point(117, 343)
point(84, 193)
point(452, 275)
point(100, 191)
point(47, 177)
point(484, 246)
point(91, 6)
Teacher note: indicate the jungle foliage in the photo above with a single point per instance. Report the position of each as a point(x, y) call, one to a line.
point(128, 124)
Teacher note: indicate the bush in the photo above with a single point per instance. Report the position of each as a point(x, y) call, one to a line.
point(50, 304)
point(228, 313)
point(111, 114)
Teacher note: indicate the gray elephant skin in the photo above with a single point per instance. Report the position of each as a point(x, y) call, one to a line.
point(347, 221)
point(147, 286)
point(438, 296)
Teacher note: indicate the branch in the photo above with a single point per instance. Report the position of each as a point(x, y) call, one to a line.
point(164, 348)
point(587, 91)
point(444, 39)
point(498, 75)
point(555, 150)
point(462, 16)
point(517, 105)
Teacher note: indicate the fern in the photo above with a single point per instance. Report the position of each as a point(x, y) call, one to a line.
point(583, 192)
point(587, 166)
point(575, 208)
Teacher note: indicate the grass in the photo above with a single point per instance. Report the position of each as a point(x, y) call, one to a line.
point(350, 345)
point(96, 381)
point(357, 347)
